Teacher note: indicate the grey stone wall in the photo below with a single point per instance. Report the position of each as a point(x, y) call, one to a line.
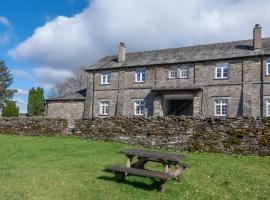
point(33, 126)
point(65, 109)
point(247, 136)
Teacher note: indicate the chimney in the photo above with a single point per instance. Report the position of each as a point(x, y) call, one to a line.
point(122, 52)
point(257, 37)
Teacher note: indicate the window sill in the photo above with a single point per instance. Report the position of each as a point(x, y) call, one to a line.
point(104, 84)
point(139, 82)
point(103, 115)
point(221, 78)
point(176, 78)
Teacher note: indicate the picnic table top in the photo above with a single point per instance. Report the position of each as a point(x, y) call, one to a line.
point(155, 155)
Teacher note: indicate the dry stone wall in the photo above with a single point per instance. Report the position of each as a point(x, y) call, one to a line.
point(248, 136)
point(33, 126)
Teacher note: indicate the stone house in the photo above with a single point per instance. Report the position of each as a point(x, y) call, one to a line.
point(69, 106)
point(223, 79)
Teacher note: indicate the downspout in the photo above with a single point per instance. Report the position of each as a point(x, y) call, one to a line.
point(117, 99)
point(93, 95)
point(261, 86)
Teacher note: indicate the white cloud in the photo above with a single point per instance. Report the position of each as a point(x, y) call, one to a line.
point(21, 92)
point(67, 42)
point(46, 76)
point(4, 21)
point(21, 74)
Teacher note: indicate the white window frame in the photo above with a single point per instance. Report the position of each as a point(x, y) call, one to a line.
point(183, 70)
point(223, 102)
point(267, 107)
point(222, 66)
point(268, 67)
point(102, 107)
point(173, 71)
point(105, 78)
point(140, 75)
point(141, 104)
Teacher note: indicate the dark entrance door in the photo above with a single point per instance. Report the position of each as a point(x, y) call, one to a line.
point(180, 107)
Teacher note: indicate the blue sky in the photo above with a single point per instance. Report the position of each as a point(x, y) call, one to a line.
point(43, 41)
point(24, 16)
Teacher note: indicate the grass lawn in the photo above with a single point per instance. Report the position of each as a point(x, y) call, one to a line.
point(70, 168)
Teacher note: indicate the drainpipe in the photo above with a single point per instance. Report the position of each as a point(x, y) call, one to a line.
point(93, 94)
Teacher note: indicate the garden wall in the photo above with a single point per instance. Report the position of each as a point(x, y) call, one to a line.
point(33, 126)
point(247, 136)
point(232, 135)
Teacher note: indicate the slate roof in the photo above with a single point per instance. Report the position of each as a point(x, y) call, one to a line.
point(79, 95)
point(226, 50)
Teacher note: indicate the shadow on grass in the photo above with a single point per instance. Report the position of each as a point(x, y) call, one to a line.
point(136, 184)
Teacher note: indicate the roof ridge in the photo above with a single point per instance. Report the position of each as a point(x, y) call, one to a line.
point(189, 46)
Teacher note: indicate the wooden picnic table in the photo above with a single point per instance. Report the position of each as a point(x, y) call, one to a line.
point(166, 159)
point(137, 167)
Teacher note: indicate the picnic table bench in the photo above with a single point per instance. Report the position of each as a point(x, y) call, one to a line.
point(138, 168)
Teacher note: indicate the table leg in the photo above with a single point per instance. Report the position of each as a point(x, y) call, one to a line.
point(129, 161)
point(167, 168)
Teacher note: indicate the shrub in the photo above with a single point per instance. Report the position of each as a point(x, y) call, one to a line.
point(10, 110)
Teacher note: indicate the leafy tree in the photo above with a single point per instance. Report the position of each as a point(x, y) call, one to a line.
point(35, 105)
point(40, 107)
point(5, 82)
point(31, 106)
point(10, 110)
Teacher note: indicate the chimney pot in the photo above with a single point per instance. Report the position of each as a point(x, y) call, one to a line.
point(122, 52)
point(257, 37)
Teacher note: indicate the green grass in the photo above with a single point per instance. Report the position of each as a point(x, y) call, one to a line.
point(70, 168)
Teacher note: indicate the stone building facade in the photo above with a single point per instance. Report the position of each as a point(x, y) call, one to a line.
point(223, 79)
point(69, 106)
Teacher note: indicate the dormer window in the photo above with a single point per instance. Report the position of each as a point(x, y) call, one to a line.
point(222, 71)
point(173, 73)
point(140, 75)
point(268, 67)
point(105, 78)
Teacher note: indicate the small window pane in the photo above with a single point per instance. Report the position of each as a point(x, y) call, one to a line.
point(106, 78)
point(268, 67)
point(221, 107)
point(139, 108)
point(104, 108)
point(268, 108)
point(222, 70)
point(184, 72)
point(172, 73)
point(140, 75)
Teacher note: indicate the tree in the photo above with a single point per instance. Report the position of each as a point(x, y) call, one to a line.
point(31, 106)
point(40, 107)
point(77, 81)
point(10, 110)
point(35, 106)
point(5, 82)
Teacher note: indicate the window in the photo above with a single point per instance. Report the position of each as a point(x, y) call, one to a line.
point(183, 72)
point(140, 75)
point(139, 107)
point(222, 70)
point(221, 107)
point(173, 73)
point(268, 107)
point(104, 107)
point(106, 78)
point(268, 67)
